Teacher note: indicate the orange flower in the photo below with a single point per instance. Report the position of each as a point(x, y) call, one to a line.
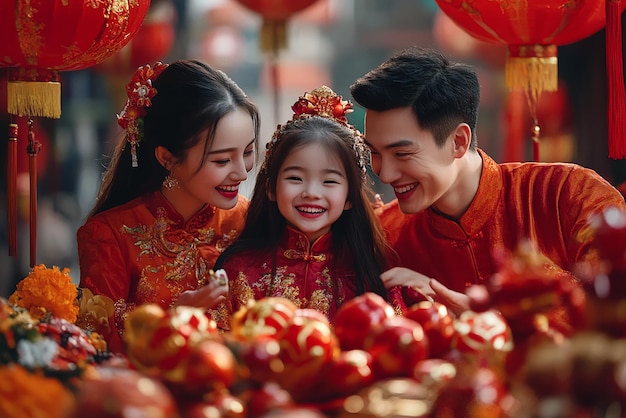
point(47, 290)
point(29, 395)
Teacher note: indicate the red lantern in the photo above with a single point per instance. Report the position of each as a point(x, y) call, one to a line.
point(273, 36)
point(152, 42)
point(42, 37)
point(39, 39)
point(532, 30)
point(275, 14)
point(454, 40)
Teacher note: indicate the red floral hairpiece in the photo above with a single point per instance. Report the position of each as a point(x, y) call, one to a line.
point(140, 93)
point(324, 102)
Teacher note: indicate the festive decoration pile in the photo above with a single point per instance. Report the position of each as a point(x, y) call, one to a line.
point(42, 351)
point(280, 357)
point(504, 358)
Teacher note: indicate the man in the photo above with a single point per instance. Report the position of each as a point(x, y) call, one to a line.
point(456, 207)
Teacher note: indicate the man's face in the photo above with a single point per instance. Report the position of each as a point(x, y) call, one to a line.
point(406, 157)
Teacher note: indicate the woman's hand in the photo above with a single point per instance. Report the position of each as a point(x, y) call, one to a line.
point(205, 297)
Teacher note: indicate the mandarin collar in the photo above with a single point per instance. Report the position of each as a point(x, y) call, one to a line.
point(157, 203)
point(292, 238)
point(481, 209)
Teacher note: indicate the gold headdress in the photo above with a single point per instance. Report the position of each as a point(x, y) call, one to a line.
point(140, 93)
point(323, 102)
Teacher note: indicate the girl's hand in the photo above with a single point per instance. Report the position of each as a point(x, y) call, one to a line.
point(402, 276)
point(205, 297)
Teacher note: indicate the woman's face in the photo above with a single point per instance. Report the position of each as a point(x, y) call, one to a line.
point(312, 189)
point(217, 182)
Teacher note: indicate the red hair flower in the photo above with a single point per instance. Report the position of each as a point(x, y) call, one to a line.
point(140, 93)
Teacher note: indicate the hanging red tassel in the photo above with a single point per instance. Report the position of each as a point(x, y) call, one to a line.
point(615, 72)
point(33, 149)
point(12, 190)
point(515, 127)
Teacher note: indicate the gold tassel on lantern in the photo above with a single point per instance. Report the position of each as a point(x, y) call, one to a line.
point(273, 36)
point(532, 69)
point(33, 92)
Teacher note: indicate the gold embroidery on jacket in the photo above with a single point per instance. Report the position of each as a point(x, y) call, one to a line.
point(176, 254)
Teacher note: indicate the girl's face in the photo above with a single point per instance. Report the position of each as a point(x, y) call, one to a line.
point(312, 190)
point(217, 182)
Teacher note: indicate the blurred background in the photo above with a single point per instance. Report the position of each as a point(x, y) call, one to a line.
point(332, 42)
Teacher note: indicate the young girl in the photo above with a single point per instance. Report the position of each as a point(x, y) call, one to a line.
point(169, 202)
point(310, 233)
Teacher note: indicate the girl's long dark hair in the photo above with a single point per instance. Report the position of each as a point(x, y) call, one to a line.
point(191, 98)
point(356, 235)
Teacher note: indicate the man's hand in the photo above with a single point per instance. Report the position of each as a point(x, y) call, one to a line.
point(402, 276)
point(455, 301)
point(431, 288)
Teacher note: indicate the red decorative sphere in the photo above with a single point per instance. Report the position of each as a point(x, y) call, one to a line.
point(477, 332)
point(112, 392)
point(210, 365)
point(259, 361)
point(357, 318)
point(345, 374)
point(139, 326)
point(214, 405)
point(268, 397)
point(434, 373)
point(397, 346)
point(160, 342)
point(438, 325)
point(477, 392)
point(262, 318)
point(307, 344)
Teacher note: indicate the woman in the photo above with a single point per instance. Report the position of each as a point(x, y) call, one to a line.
point(169, 201)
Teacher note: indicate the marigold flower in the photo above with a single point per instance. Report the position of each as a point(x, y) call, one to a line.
point(47, 290)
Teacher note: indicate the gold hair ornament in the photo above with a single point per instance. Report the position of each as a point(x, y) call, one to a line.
point(323, 102)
